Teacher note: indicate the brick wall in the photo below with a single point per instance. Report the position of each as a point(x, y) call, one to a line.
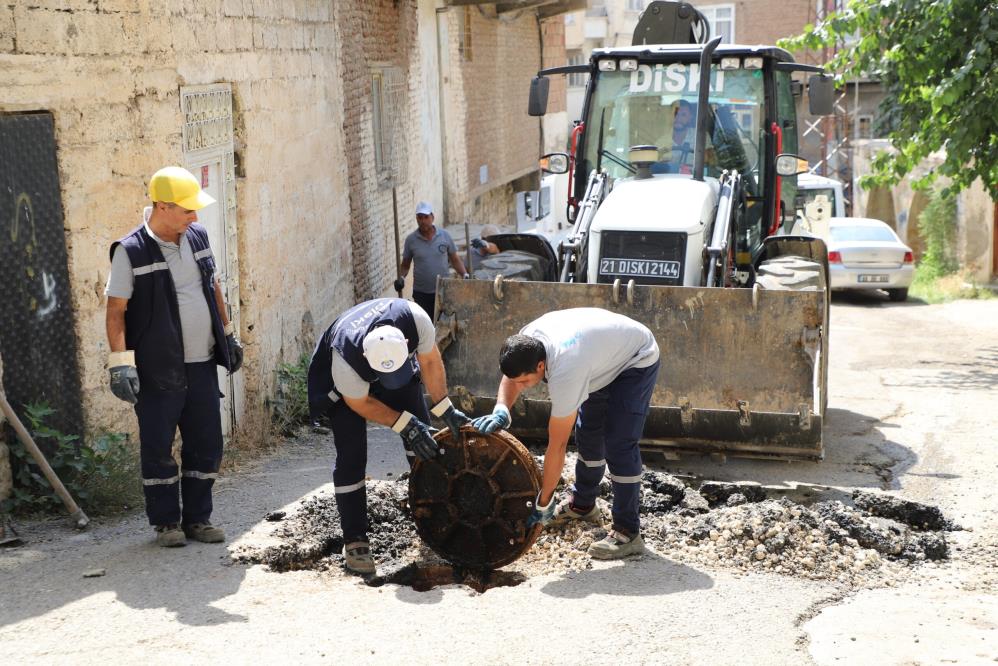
point(110, 73)
point(767, 21)
point(375, 34)
point(487, 124)
point(553, 30)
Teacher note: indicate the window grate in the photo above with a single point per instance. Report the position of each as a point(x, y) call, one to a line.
point(388, 99)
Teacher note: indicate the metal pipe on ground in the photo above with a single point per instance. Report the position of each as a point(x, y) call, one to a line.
point(76, 514)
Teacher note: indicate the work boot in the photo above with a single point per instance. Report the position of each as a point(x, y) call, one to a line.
point(358, 557)
point(565, 512)
point(204, 532)
point(170, 536)
point(617, 544)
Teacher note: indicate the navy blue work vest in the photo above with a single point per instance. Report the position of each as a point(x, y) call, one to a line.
point(346, 336)
point(152, 320)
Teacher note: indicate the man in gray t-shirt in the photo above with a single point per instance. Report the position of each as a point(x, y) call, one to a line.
point(434, 252)
point(600, 368)
point(168, 329)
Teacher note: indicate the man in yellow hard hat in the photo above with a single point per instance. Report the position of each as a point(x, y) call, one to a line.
point(168, 327)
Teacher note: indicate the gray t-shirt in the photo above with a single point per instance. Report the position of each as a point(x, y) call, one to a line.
point(195, 318)
point(349, 383)
point(587, 348)
point(431, 258)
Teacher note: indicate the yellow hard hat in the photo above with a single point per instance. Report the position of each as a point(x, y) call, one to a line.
point(178, 186)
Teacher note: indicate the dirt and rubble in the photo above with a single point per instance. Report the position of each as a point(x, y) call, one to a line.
point(737, 527)
point(909, 418)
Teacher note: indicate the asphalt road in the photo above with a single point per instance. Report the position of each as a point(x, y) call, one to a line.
point(912, 410)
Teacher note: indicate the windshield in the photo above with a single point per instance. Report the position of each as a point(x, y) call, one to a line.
point(844, 234)
point(657, 105)
point(806, 196)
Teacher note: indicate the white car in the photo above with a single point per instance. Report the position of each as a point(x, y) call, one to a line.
point(866, 254)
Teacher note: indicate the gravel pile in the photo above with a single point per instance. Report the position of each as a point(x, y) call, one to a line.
point(717, 525)
point(311, 537)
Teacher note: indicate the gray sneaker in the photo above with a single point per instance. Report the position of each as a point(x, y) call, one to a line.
point(564, 513)
point(357, 555)
point(204, 532)
point(170, 536)
point(617, 545)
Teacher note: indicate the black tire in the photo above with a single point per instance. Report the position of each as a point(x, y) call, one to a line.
point(898, 295)
point(793, 273)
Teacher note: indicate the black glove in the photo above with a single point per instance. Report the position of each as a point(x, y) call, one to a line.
point(451, 416)
point(478, 244)
point(235, 352)
point(398, 284)
point(416, 435)
point(124, 376)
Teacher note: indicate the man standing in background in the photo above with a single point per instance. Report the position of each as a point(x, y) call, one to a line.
point(435, 252)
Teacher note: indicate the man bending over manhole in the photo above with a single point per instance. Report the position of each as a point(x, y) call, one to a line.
point(370, 365)
point(600, 368)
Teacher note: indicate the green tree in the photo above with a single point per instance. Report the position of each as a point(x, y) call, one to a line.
point(935, 59)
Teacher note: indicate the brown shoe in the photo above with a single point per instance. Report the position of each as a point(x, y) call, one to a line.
point(204, 532)
point(170, 536)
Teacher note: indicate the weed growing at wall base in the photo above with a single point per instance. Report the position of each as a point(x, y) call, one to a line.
point(931, 287)
point(102, 475)
point(290, 406)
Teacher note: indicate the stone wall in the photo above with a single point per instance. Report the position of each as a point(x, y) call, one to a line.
point(110, 73)
point(314, 221)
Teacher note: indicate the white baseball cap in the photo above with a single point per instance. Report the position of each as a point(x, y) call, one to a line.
point(424, 208)
point(387, 352)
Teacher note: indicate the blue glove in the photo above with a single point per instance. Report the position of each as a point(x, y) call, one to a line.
point(124, 376)
point(417, 435)
point(478, 244)
point(499, 419)
point(541, 514)
point(452, 417)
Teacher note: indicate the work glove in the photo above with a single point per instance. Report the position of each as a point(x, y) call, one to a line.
point(478, 244)
point(235, 349)
point(416, 434)
point(451, 416)
point(398, 284)
point(499, 419)
point(124, 376)
point(541, 514)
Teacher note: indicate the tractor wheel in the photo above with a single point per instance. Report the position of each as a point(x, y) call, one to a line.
point(792, 273)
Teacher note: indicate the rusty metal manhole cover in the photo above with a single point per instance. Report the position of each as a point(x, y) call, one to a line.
point(471, 503)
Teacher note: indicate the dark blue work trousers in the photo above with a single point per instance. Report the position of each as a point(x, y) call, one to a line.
point(196, 412)
point(426, 301)
point(350, 439)
point(607, 431)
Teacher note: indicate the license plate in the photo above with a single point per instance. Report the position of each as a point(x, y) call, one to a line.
point(639, 267)
point(872, 278)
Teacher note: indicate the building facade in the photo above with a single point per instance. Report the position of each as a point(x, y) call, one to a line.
point(304, 118)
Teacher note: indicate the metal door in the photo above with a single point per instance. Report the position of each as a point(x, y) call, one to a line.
point(213, 219)
point(37, 329)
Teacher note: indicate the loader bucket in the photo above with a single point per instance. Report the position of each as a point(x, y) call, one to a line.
point(739, 367)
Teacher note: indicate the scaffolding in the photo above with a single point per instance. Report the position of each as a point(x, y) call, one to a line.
point(836, 133)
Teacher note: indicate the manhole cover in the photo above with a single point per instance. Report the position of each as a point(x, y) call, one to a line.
point(471, 503)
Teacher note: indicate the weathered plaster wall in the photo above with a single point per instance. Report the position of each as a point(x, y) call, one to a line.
point(975, 211)
point(110, 73)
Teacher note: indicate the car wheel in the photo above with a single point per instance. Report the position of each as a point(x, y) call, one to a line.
point(898, 295)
